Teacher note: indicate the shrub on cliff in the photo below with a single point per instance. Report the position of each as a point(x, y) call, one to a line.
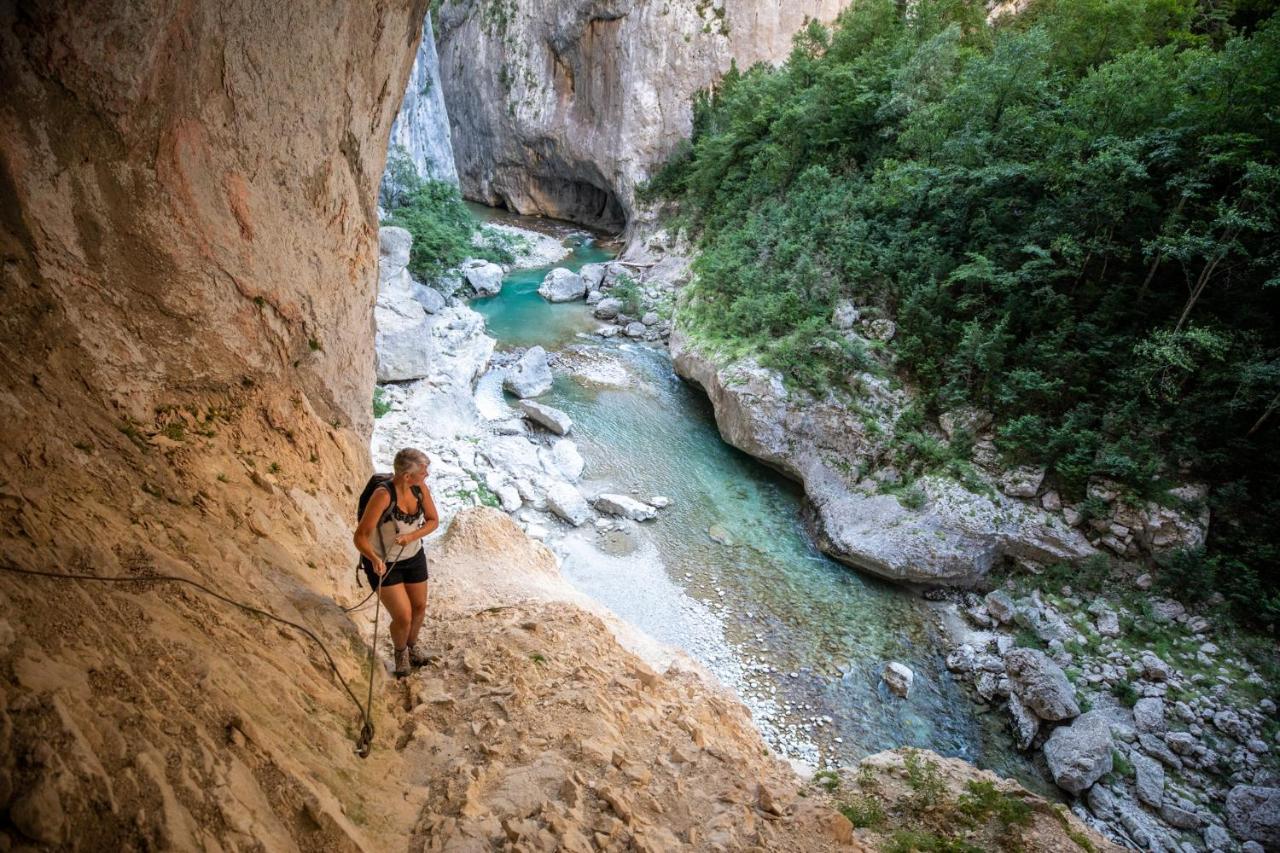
point(1071, 214)
point(444, 230)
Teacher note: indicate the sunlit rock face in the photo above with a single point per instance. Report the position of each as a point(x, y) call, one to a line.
point(562, 108)
point(421, 128)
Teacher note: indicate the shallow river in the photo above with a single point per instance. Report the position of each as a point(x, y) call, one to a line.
point(802, 639)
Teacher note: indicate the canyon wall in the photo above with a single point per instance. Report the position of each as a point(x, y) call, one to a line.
point(421, 127)
point(563, 108)
point(189, 247)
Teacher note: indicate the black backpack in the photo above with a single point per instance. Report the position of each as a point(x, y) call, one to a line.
point(378, 481)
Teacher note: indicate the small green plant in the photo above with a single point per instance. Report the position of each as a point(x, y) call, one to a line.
point(827, 780)
point(1125, 692)
point(273, 468)
point(1120, 765)
point(922, 777)
point(314, 345)
point(1028, 639)
point(537, 658)
point(380, 404)
point(982, 801)
point(912, 497)
point(222, 478)
point(626, 290)
point(131, 432)
point(863, 812)
point(259, 301)
point(175, 432)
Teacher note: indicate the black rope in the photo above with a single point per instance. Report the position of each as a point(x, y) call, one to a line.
point(366, 711)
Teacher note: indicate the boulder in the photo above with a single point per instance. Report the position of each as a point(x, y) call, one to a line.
point(845, 315)
point(1181, 527)
point(1148, 714)
point(594, 297)
point(882, 330)
point(961, 659)
point(608, 308)
point(650, 318)
point(430, 299)
point(625, 507)
point(449, 346)
point(1000, 606)
point(966, 418)
point(562, 285)
point(394, 244)
point(1022, 482)
point(1041, 685)
point(553, 419)
point(567, 502)
point(1026, 725)
point(593, 275)
point(1149, 779)
point(1253, 813)
point(634, 330)
point(1153, 668)
point(562, 460)
point(484, 276)
point(898, 678)
point(1080, 754)
point(531, 375)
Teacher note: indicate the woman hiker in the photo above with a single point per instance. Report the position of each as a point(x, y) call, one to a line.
point(397, 517)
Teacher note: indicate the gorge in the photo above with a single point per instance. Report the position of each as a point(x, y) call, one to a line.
point(631, 626)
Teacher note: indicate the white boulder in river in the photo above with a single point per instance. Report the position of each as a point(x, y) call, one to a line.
point(898, 678)
point(561, 285)
point(566, 501)
point(626, 507)
point(553, 419)
point(484, 276)
point(531, 375)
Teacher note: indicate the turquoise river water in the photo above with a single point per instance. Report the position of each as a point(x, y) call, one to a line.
point(801, 638)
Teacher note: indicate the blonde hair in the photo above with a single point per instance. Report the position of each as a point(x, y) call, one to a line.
point(408, 459)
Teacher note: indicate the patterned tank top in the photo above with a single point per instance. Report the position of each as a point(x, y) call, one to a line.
point(395, 523)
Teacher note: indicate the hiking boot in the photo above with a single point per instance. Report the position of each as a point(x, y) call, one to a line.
point(402, 662)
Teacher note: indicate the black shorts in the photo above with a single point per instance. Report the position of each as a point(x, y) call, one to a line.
point(409, 570)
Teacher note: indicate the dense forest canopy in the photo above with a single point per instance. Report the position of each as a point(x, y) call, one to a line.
point(1071, 214)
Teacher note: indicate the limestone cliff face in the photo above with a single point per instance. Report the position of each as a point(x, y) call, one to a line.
point(421, 127)
point(562, 108)
point(189, 254)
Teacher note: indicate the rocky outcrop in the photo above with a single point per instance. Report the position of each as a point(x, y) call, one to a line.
point(952, 535)
point(413, 343)
point(562, 108)
point(948, 804)
point(420, 131)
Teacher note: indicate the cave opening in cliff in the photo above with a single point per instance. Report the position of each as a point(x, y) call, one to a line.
point(581, 200)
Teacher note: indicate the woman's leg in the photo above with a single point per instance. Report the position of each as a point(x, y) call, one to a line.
point(396, 600)
point(417, 595)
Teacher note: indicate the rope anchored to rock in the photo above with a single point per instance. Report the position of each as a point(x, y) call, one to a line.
point(364, 741)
